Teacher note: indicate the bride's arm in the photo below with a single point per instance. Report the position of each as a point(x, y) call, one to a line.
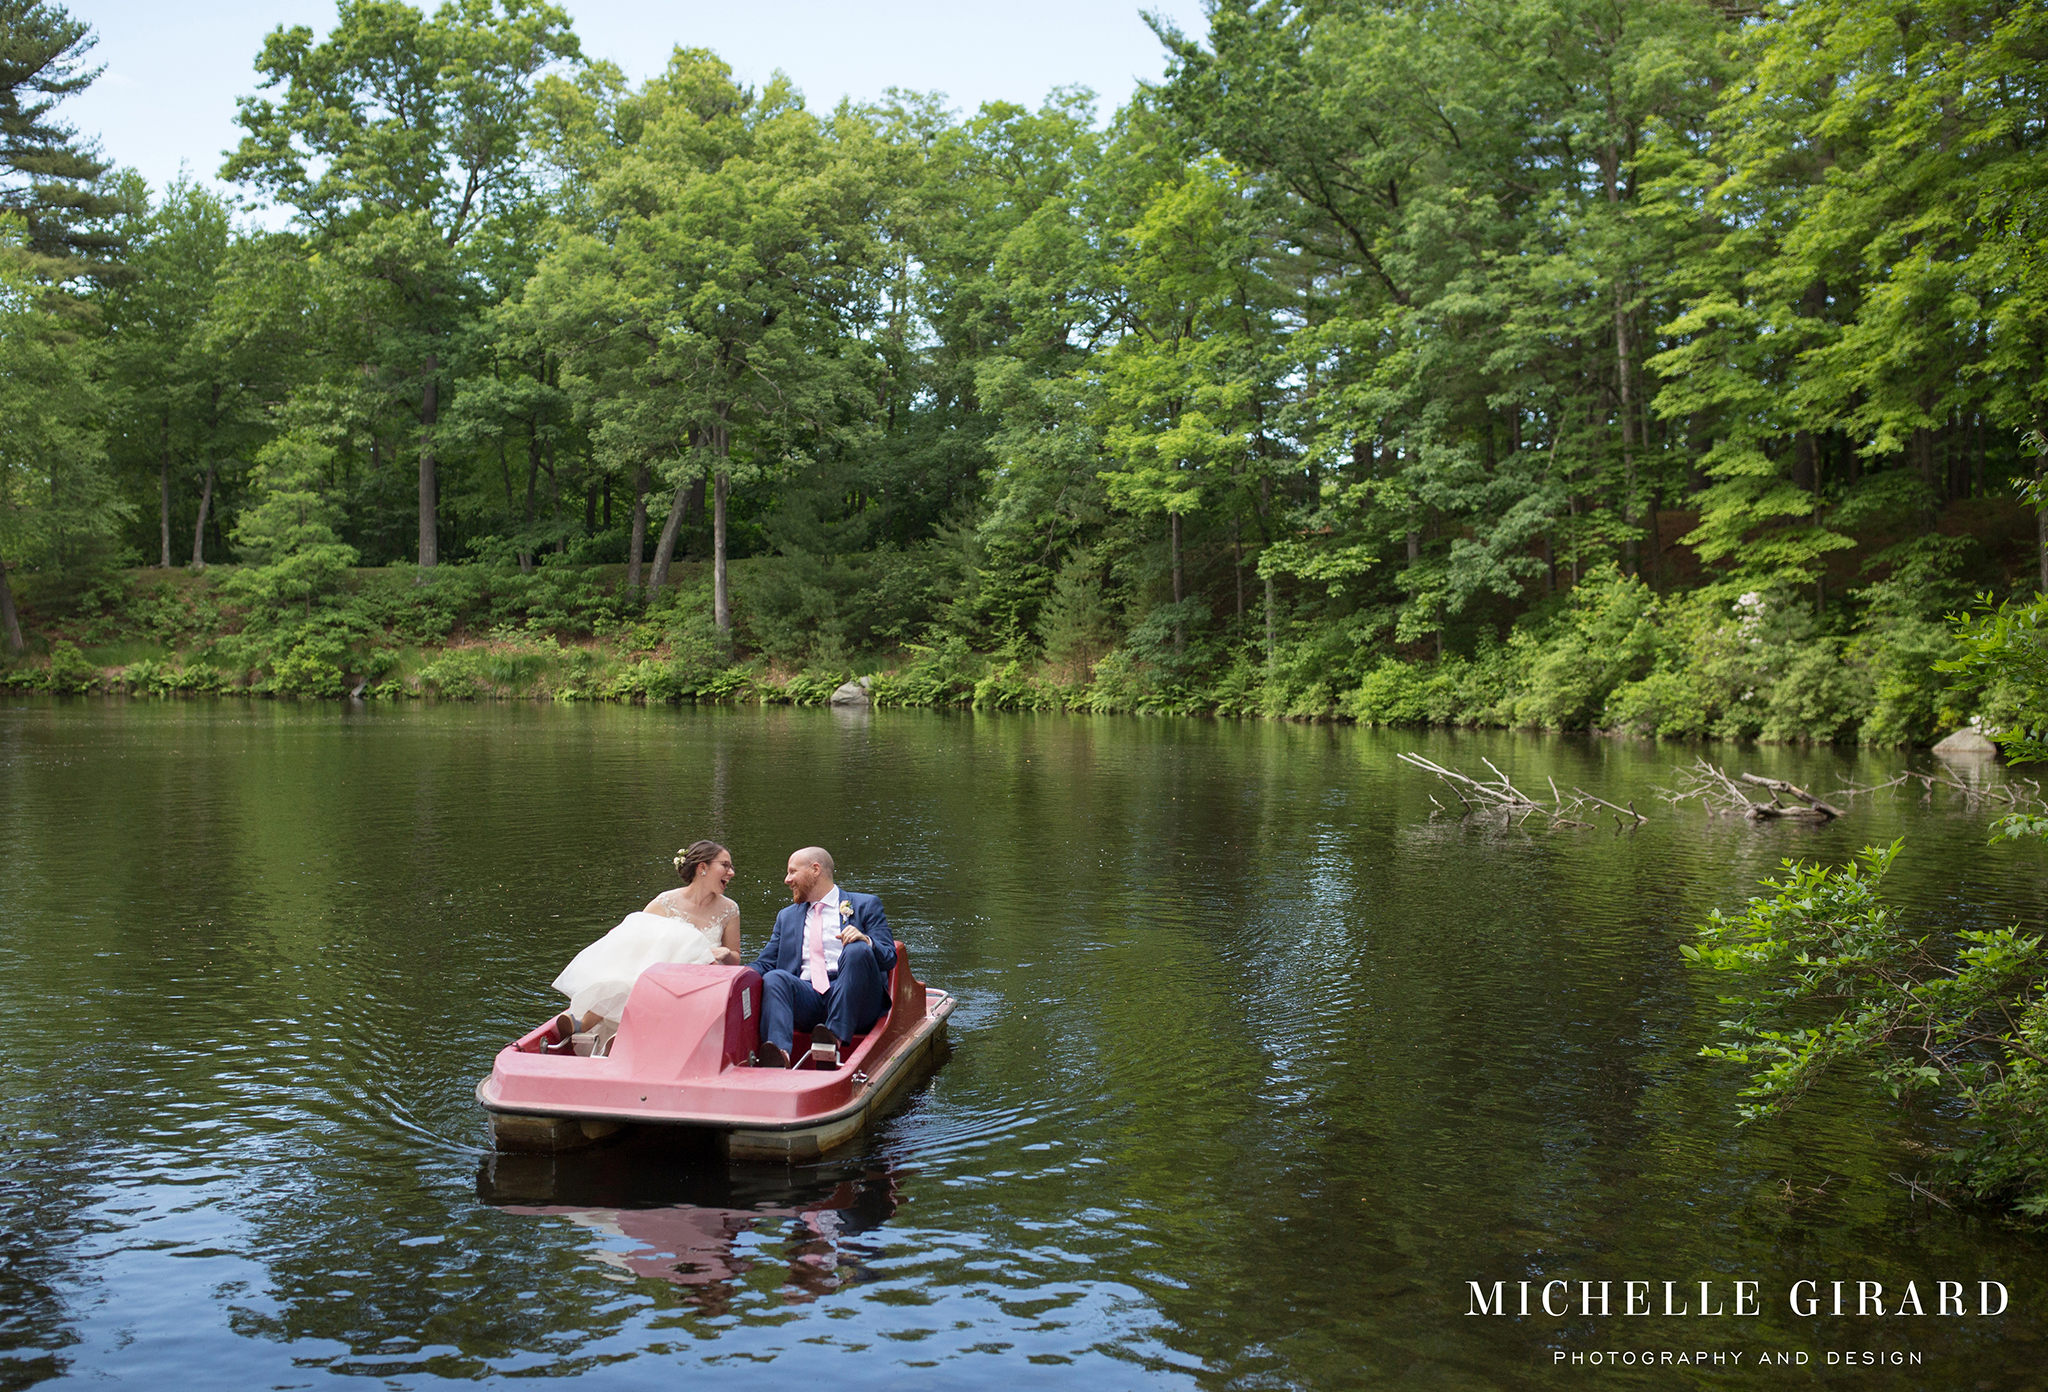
point(729, 947)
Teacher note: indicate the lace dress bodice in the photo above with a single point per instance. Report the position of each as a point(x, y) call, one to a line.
point(675, 904)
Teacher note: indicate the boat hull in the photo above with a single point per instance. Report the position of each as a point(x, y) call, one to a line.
point(681, 1061)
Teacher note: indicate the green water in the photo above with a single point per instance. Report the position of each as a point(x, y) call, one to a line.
point(1256, 1066)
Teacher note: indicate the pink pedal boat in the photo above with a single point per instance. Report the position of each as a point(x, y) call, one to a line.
point(682, 1058)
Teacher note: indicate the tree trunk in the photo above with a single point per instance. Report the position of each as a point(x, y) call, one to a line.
point(1237, 565)
point(693, 505)
point(638, 544)
point(1923, 458)
point(666, 549)
point(2041, 514)
point(164, 513)
point(1180, 636)
point(9, 620)
point(1623, 371)
point(532, 495)
point(721, 486)
point(1272, 600)
point(1173, 542)
point(199, 528)
point(555, 502)
point(430, 415)
point(1272, 625)
point(1571, 509)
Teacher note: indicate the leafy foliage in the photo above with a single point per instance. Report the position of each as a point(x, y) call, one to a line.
point(1425, 362)
point(1827, 978)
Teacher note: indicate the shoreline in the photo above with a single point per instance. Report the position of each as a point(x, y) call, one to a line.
point(1618, 660)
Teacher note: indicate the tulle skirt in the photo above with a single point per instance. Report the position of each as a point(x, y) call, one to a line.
point(603, 973)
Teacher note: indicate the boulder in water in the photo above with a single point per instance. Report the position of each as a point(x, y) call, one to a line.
point(1966, 743)
point(852, 693)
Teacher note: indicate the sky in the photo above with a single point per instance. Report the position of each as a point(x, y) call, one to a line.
point(166, 99)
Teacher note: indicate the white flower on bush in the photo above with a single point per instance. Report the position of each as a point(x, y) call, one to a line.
point(1749, 617)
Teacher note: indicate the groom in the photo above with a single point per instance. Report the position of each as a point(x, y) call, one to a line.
point(826, 965)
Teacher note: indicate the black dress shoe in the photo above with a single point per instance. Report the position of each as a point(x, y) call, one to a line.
point(772, 1056)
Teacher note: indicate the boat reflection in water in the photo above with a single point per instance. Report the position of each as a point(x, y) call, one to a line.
point(702, 1227)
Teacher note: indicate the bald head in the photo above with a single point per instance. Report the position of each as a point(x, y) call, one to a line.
point(810, 875)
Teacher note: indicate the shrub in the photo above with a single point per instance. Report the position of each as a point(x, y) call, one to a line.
point(943, 675)
point(69, 672)
point(1816, 697)
point(1827, 977)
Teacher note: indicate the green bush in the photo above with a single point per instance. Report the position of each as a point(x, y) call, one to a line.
point(1816, 698)
point(810, 688)
point(458, 674)
point(1669, 703)
point(1825, 977)
point(1609, 634)
point(940, 675)
point(69, 672)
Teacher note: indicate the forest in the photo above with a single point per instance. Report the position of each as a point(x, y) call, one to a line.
point(1672, 367)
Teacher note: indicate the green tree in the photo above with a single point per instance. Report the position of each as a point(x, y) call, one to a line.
point(56, 497)
point(710, 291)
point(50, 177)
point(395, 139)
point(1183, 385)
point(1867, 310)
point(1475, 277)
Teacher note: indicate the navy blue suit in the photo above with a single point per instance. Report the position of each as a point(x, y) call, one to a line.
point(858, 992)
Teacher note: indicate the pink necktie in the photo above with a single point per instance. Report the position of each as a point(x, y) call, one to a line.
point(814, 949)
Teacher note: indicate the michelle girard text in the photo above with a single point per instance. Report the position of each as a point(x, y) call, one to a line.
point(1661, 1299)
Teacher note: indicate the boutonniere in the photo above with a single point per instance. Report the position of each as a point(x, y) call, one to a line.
point(845, 912)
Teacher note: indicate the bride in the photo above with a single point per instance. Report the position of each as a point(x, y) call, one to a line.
point(695, 923)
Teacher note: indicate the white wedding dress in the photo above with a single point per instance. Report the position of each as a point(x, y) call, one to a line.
point(602, 975)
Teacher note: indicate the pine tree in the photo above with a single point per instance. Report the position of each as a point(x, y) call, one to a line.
point(48, 174)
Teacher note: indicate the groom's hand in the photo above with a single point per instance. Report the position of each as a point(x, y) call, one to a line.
point(851, 934)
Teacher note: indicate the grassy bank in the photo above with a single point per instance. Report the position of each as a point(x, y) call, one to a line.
point(1612, 655)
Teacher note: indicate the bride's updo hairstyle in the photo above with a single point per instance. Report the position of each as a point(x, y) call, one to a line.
point(695, 854)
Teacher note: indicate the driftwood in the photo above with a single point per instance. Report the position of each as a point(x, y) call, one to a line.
point(1784, 789)
point(1500, 800)
point(2014, 794)
point(1724, 796)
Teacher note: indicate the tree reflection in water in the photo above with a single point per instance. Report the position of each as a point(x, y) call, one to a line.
point(697, 1223)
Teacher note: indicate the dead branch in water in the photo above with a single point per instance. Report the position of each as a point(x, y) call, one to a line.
point(2015, 794)
point(1722, 796)
point(1784, 789)
point(1500, 800)
point(1921, 1190)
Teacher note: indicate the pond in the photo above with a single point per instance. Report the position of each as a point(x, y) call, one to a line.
point(1260, 1062)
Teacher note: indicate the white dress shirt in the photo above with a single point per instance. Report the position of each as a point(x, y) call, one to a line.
point(832, 927)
